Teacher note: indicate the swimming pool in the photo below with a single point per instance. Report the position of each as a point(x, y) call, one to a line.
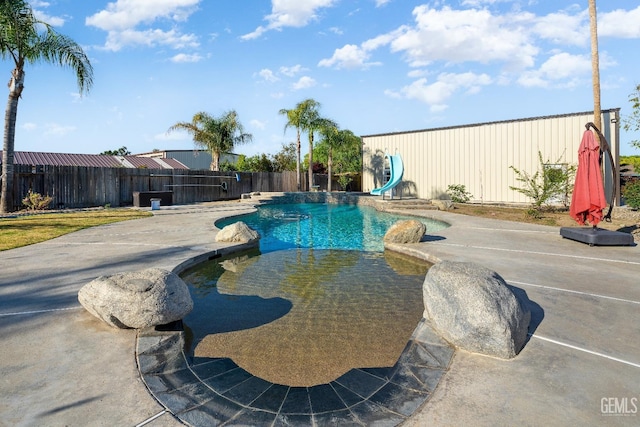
point(243, 356)
point(320, 292)
point(323, 226)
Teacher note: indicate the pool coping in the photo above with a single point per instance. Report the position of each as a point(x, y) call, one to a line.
point(216, 391)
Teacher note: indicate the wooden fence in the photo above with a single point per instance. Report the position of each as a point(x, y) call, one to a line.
point(82, 187)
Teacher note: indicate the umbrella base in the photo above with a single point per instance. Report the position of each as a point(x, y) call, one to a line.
point(597, 236)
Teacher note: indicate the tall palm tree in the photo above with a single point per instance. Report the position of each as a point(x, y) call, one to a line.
point(311, 123)
point(595, 64)
point(26, 40)
point(216, 134)
point(304, 117)
point(294, 120)
point(329, 132)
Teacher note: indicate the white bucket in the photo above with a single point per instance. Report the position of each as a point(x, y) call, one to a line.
point(155, 204)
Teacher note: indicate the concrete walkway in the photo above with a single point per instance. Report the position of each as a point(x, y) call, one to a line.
point(60, 366)
point(584, 355)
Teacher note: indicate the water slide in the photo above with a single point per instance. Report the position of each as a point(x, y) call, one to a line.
point(397, 170)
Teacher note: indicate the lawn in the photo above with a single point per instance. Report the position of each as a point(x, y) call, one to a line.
point(29, 229)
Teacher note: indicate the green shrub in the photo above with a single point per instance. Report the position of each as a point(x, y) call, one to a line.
point(552, 180)
point(344, 180)
point(631, 193)
point(458, 193)
point(36, 201)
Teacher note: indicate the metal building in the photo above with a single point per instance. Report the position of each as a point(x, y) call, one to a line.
point(480, 156)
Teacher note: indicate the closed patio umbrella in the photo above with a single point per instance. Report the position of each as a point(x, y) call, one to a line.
point(588, 199)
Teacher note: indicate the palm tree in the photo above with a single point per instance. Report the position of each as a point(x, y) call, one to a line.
point(304, 117)
point(311, 123)
point(216, 134)
point(27, 40)
point(329, 132)
point(294, 120)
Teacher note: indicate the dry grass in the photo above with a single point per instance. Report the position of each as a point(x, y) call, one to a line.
point(558, 218)
point(29, 229)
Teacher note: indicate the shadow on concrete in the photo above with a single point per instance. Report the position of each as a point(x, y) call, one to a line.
point(70, 406)
point(537, 312)
point(431, 238)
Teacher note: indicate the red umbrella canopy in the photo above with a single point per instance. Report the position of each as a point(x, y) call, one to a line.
point(588, 200)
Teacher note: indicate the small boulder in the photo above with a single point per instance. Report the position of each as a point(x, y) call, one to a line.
point(473, 308)
point(442, 205)
point(138, 299)
point(238, 232)
point(407, 231)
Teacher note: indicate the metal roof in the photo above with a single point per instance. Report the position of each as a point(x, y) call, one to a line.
point(92, 160)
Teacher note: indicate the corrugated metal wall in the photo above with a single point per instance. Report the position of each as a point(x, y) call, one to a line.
point(480, 156)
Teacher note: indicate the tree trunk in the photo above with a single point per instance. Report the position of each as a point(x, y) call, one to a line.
point(595, 65)
point(15, 90)
point(310, 160)
point(298, 160)
point(329, 168)
point(215, 161)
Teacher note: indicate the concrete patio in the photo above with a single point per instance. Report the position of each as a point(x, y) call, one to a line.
point(61, 366)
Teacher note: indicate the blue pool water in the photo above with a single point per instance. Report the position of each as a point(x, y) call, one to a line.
point(322, 226)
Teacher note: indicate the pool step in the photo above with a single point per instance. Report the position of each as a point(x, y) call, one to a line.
point(422, 204)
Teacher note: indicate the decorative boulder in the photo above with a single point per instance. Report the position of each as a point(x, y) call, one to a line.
point(138, 299)
point(407, 231)
point(238, 232)
point(442, 205)
point(473, 308)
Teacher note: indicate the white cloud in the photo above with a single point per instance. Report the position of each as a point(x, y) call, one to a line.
point(184, 57)
point(116, 40)
point(125, 14)
point(563, 28)
point(122, 18)
point(477, 3)
point(417, 73)
point(267, 75)
point(292, 71)
point(620, 23)
point(563, 70)
point(258, 124)
point(304, 83)
point(55, 21)
point(452, 36)
point(466, 35)
point(349, 56)
point(437, 93)
point(290, 13)
point(380, 3)
point(29, 126)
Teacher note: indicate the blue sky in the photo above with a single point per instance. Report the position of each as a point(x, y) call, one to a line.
point(376, 66)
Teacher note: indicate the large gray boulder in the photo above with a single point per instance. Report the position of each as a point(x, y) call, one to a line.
point(473, 308)
point(238, 232)
point(406, 231)
point(138, 299)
